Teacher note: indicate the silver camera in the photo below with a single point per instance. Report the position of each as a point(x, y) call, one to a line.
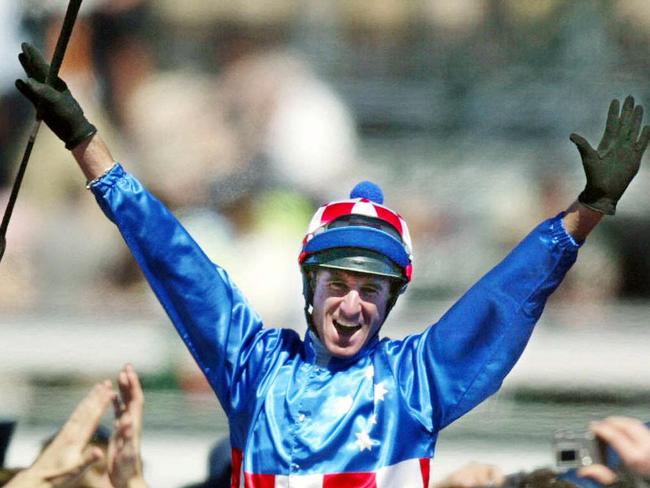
point(573, 449)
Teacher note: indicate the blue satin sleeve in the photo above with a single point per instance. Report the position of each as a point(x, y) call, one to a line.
point(214, 320)
point(462, 359)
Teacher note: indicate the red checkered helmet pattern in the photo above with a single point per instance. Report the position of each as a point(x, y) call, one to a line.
point(360, 222)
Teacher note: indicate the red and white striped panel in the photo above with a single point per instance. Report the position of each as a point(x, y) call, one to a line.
point(359, 206)
point(413, 473)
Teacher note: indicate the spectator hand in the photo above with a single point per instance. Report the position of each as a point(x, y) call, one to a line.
point(55, 104)
point(68, 456)
point(611, 167)
point(630, 438)
point(124, 461)
point(472, 475)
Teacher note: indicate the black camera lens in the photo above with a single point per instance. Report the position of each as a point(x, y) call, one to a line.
point(567, 455)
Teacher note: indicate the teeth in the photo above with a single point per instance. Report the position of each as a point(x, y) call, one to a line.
point(347, 326)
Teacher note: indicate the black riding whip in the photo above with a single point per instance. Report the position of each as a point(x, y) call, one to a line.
point(57, 59)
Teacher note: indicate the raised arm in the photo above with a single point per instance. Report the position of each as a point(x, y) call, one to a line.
point(210, 314)
point(467, 354)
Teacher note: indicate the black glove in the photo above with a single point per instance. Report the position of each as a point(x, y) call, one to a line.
point(611, 167)
point(54, 102)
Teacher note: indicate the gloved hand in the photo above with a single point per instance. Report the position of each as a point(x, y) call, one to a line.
point(611, 167)
point(54, 102)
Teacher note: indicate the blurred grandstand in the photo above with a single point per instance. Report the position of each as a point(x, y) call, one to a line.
point(244, 116)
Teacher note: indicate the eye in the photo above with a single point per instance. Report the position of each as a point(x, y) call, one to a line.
point(369, 291)
point(337, 286)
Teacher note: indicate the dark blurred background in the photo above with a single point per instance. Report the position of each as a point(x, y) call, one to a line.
point(246, 116)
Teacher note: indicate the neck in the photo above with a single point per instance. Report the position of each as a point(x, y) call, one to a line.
point(322, 355)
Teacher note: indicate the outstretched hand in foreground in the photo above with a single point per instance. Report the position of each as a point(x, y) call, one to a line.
point(65, 460)
point(124, 461)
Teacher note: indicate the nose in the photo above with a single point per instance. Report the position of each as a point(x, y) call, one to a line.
point(350, 307)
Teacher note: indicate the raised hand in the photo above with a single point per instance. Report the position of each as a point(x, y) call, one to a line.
point(124, 460)
point(612, 165)
point(54, 102)
point(68, 456)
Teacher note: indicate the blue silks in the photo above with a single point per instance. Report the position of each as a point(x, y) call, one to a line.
point(295, 411)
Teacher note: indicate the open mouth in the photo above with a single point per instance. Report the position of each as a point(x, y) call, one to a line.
point(345, 328)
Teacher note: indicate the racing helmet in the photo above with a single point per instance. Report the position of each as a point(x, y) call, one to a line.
point(359, 234)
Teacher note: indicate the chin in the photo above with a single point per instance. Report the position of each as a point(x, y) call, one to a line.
point(345, 351)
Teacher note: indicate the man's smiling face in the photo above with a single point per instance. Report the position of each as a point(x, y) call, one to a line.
point(348, 309)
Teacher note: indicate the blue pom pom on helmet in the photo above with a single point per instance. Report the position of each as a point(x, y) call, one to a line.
point(369, 190)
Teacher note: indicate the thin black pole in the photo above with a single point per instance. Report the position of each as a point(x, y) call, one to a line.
point(57, 59)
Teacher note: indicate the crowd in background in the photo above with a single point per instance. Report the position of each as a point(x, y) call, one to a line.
point(243, 119)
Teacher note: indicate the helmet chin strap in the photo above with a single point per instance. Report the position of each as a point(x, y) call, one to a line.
point(308, 294)
point(308, 317)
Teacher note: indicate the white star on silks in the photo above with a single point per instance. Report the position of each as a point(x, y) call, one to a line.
point(342, 405)
point(363, 441)
point(380, 391)
point(373, 419)
point(370, 372)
